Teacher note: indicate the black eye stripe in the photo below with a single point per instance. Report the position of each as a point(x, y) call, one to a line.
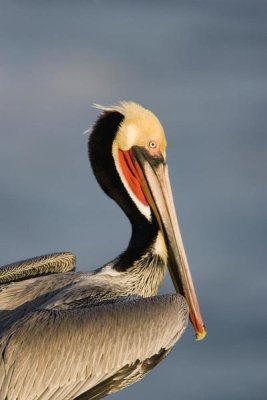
point(154, 160)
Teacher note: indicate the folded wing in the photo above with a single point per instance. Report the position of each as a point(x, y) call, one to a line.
point(90, 352)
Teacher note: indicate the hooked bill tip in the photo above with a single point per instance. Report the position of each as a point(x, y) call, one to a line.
point(201, 335)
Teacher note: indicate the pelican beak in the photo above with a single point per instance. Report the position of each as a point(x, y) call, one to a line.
point(157, 189)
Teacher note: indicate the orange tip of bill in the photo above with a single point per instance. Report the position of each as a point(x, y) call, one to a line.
point(201, 335)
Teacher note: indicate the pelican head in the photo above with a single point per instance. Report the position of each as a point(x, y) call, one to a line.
point(128, 154)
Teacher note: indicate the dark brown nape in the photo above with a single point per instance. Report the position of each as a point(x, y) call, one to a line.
point(100, 143)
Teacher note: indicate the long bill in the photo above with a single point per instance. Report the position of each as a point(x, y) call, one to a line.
point(158, 191)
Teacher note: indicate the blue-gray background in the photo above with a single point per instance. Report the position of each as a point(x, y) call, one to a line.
point(201, 66)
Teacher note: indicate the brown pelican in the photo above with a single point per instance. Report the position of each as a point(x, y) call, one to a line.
point(70, 335)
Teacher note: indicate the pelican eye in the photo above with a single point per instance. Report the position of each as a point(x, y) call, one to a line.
point(152, 144)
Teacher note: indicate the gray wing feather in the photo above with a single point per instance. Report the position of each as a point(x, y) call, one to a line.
point(88, 353)
point(19, 298)
point(37, 266)
point(124, 377)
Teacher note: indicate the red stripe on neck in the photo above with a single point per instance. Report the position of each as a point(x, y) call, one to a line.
point(133, 174)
